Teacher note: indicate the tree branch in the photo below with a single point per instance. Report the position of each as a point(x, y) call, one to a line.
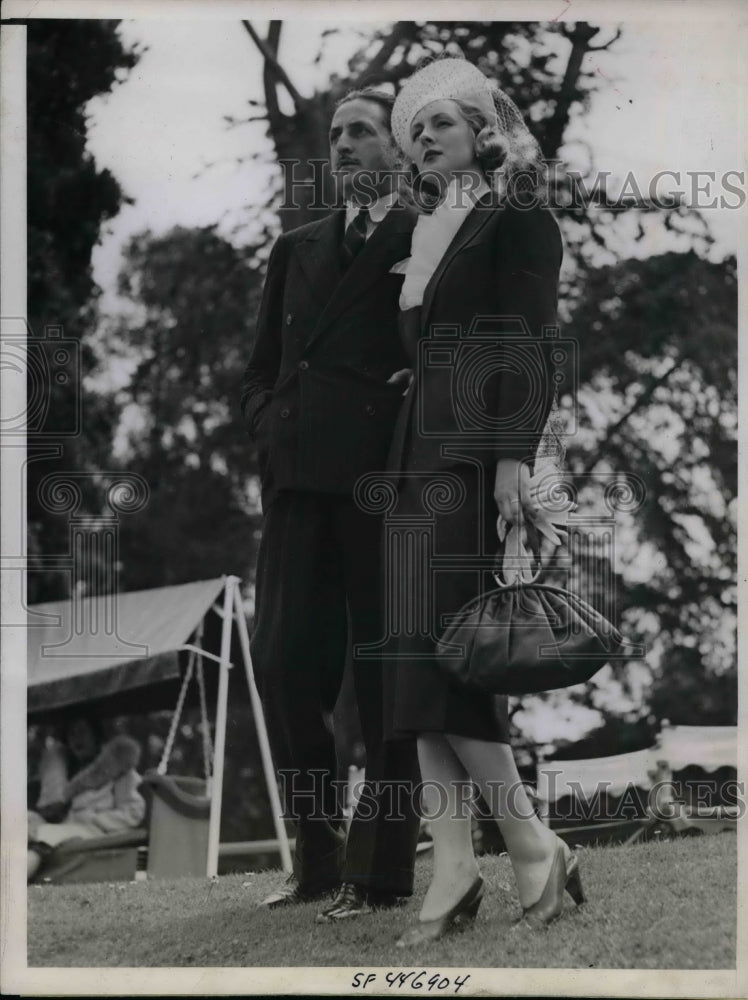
point(394, 74)
point(270, 85)
point(235, 122)
point(643, 398)
point(400, 33)
point(580, 37)
point(602, 48)
point(269, 53)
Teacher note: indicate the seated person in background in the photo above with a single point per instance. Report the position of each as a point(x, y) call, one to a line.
point(88, 788)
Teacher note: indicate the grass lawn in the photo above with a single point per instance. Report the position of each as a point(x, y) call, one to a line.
point(659, 905)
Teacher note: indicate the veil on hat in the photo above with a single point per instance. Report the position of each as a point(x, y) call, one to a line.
point(451, 77)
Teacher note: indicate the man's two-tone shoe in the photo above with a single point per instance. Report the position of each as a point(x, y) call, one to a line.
point(354, 901)
point(291, 894)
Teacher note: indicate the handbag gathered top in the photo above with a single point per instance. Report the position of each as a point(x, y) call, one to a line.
point(526, 637)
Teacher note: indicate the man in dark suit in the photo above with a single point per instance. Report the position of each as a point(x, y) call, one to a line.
point(321, 393)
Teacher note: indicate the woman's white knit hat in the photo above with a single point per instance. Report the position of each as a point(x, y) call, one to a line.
point(459, 80)
point(443, 79)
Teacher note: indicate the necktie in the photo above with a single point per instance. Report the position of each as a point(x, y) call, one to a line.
point(354, 238)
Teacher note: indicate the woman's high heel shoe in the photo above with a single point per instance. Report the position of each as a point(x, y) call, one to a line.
point(432, 930)
point(563, 877)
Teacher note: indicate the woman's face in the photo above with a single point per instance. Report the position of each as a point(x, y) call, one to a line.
point(441, 140)
point(81, 740)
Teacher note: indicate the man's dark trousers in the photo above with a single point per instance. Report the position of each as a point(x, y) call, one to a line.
point(319, 564)
point(316, 399)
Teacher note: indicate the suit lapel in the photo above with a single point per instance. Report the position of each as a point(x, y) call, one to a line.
point(474, 222)
point(319, 255)
point(390, 242)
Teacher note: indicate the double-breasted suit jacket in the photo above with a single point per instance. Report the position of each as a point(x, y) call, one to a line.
point(316, 398)
point(315, 392)
point(481, 346)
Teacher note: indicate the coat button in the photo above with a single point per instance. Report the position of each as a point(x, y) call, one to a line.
point(364, 368)
point(285, 413)
point(303, 365)
point(289, 319)
point(371, 409)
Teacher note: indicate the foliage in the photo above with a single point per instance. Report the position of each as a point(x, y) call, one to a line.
point(193, 297)
point(656, 428)
point(658, 399)
point(69, 62)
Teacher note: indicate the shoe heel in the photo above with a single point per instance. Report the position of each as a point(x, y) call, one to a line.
point(574, 886)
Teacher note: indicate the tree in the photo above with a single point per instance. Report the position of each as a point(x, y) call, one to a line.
point(187, 337)
point(69, 62)
point(659, 371)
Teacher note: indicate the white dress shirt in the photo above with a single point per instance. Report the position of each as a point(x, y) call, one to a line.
point(376, 212)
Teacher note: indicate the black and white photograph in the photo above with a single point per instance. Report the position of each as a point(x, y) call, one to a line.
point(369, 557)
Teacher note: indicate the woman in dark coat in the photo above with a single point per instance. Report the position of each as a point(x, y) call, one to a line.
point(478, 311)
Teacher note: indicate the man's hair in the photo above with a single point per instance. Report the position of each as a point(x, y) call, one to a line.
point(380, 97)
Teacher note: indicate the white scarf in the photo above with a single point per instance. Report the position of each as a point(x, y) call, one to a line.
point(431, 237)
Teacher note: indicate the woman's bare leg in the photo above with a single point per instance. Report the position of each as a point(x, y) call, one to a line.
point(530, 844)
point(446, 794)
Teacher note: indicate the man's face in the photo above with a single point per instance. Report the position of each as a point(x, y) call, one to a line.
point(362, 152)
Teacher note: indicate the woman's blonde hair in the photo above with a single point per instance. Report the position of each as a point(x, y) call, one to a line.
point(512, 160)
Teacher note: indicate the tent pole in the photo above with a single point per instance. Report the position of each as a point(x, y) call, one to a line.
point(216, 791)
point(262, 737)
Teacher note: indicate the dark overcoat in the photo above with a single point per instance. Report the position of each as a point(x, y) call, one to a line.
point(315, 392)
point(482, 342)
point(482, 347)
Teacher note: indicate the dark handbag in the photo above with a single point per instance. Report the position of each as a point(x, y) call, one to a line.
point(526, 638)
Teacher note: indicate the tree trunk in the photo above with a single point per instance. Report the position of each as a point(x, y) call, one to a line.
point(580, 37)
point(303, 155)
point(300, 138)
